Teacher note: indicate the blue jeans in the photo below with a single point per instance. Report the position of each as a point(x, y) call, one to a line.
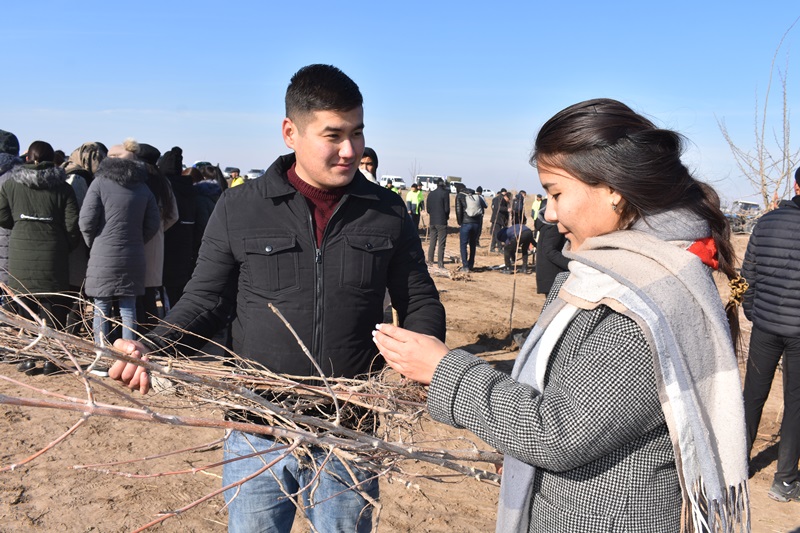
point(262, 505)
point(468, 236)
point(102, 311)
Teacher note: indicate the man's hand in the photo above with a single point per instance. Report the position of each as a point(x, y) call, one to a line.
point(134, 376)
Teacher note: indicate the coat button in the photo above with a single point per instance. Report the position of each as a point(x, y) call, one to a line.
point(369, 246)
point(268, 249)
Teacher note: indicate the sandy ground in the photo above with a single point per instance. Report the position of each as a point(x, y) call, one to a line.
point(50, 494)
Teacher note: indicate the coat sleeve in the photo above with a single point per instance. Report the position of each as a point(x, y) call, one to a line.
point(604, 398)
point(460, 205)
point(6, 216)
point(173, 217)
point(210, 296)
point(152, 217)
point(413, 293)
point(91, 214)
point(71, 213)
point(749, 274)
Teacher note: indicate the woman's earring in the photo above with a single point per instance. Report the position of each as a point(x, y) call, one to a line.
point(613, 206)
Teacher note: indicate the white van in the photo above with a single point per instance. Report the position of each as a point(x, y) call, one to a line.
point(396, 181)
point(427, 182)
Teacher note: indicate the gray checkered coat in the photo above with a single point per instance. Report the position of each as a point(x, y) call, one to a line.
point(596, 434)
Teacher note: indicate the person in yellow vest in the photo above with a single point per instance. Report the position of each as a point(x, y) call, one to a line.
point(415, 201)
point(236, 179)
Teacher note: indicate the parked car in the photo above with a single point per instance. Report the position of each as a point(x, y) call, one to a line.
point(427, 182)
point(488, 193)
point(254, 173)
point(742, 216)
point(397, 182)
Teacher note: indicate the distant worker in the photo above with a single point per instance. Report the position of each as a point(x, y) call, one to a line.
point(369, 164)
point(513, 237)
point(518, 208)
point(415, 201)
point(771, 268)
point(536, 206)
point(236, 179)
point(499, 217)
point(479, 192)
point(469, 210)
point(438, 214)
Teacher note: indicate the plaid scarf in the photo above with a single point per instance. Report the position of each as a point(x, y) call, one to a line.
point(646, 274)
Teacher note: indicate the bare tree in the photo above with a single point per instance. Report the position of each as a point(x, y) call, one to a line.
point(768, 165)
point(414, 170)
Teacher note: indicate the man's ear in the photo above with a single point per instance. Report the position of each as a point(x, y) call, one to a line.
point(289, 132)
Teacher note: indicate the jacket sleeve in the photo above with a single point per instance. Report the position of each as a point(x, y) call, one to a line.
point(749, 274)
point(446, 202)
point(152, 218)
point(460, 206)
point(90, 215)
point(173, 218)
point(584, 413)
point(413, 293)
point(6, 216)
point(210, 296)
point(71, 213)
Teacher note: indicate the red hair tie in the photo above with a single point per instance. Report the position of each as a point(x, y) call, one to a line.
point(706, 250)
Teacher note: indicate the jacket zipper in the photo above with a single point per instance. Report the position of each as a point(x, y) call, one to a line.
point(319, 307)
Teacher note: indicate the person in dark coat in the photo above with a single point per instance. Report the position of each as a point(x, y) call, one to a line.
point(550, 262)
point(180, 238)
point(438, 215)
point(9, 156)
point(771, 267)
point(147, 310)
point(80, 169)
point(518, 208)
point(39, 207)
point(118, 216)
point(499, 216)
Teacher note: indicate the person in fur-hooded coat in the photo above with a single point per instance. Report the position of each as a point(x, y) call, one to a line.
point(118, 216)
point(39, 207)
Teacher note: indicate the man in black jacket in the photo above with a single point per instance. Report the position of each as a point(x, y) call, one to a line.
point(438, 215)
point(772, 302)
point(499, 217)
point(322, 244)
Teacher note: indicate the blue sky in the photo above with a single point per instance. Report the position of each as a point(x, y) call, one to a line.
point(454, 88)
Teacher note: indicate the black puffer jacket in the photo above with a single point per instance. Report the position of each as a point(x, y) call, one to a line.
point(772, 269)
point(39, 207)
point(259, 248)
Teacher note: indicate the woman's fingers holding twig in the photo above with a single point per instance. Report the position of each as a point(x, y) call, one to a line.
point(412, 354)
point(134, 376)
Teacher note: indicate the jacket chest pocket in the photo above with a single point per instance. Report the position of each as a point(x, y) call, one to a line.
point(272, 263)
point(366, 261)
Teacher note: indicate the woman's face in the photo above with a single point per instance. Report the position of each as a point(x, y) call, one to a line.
point(580, 210)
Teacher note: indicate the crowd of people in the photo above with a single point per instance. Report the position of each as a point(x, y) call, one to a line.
point(624, 410)
point(120, 226)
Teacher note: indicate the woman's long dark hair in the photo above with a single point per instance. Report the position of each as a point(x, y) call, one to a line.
point(603, 141)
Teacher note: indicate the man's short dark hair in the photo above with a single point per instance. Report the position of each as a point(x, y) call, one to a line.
point(797, 176)
point(320, 88)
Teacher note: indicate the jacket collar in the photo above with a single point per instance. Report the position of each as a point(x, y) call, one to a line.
point(275, 184)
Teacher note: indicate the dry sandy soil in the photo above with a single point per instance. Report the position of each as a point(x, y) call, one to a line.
point(49, 494)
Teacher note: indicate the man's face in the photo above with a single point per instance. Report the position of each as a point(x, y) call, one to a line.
point(367, 164)
point(234, 174)
point(328, 146)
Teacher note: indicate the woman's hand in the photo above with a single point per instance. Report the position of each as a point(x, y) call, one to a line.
point(412, 354)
